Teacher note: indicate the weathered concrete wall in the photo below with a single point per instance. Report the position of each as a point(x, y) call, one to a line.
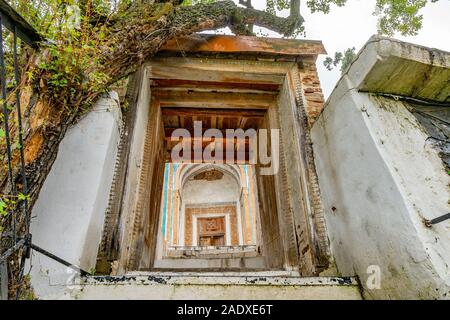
point(380, 178)
point(213, 286)
point(68, 215)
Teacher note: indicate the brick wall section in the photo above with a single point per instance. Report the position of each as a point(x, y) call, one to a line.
point(231, 210)
point(311, 88)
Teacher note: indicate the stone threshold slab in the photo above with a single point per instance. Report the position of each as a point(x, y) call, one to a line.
point(189, 278)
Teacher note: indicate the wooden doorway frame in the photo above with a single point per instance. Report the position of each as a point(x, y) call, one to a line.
point(297, 197)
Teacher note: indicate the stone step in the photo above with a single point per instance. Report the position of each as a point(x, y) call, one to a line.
point(208, 263)
point(212, 286)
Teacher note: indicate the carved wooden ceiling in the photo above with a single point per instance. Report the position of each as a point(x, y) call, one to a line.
point(219, 105)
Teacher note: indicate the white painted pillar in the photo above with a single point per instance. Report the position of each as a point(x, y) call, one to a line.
point(239, 222)
point(194, 231)
point(182, 223)
point(228, 230)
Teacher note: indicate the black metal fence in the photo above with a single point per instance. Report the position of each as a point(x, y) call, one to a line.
point(16, 238)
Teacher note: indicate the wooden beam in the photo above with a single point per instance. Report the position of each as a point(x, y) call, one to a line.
point(169, 131)
point(178, 84)
point(244, 44)
point(213, 100)
point(206, 141)
point(193, 159)
point(221, 70)
point(227, 113)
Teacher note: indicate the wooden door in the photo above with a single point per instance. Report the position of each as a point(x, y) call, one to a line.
point(211, 231)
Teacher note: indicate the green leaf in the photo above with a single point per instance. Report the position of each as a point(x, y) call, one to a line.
point(2, 133)
point(21, 197)
point(3, 207)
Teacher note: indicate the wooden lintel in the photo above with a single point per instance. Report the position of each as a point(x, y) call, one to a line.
point(196, 99)
point(169, 131)
point(220, 141)
point(207, 43)
point(219, 70)
point(227, 113)
point(241, 158)
point(176, 84)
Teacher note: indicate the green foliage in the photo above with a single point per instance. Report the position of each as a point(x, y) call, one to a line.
point(272, 6)
point(22, 197)
point(344, 59)
point(50, 16)
point(3, 208)
point(187, 3)
point(324, 6)
point(401, 16)
point(75, 48)
point(8, 204)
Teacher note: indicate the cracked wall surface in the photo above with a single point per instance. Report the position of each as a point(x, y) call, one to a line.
point(382, 176)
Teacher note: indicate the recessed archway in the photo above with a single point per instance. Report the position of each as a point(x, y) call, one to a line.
point(216, 195)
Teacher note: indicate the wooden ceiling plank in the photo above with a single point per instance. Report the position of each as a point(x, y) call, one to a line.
point(226, 113)
point(213, 99)
point(176, 84)
point(218, 71)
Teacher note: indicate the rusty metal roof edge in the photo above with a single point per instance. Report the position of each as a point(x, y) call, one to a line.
point(203, 42)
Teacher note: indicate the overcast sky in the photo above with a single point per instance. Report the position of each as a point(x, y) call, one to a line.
point(354, 24)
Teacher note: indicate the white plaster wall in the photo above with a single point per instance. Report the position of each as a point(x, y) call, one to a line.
point(217, 191)
point(382, 178)
point(67, 219)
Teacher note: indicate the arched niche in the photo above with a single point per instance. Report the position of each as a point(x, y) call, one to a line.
point(209, 193)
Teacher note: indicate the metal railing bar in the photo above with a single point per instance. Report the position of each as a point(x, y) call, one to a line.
point(58, 259)
point(12, 19)
point(19, 236)
point(6, 120)
point(437, 220)
point(22, 164)
point(19, 123)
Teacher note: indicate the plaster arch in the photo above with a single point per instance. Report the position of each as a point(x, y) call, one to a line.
point(186, 171)
point(184, 174)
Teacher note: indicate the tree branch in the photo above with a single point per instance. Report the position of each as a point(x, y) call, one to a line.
point(295, 8)
point(284, 26)
point(143, 36)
